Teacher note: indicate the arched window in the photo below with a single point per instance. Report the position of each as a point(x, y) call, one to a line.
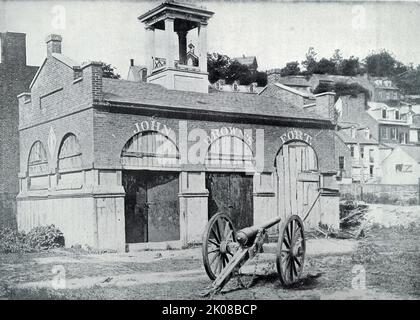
point(230, 152)
point(70, 155)
point(37, 162)
point(150, 149)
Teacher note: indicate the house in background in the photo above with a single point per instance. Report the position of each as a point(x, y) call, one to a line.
point(221, 85)
point(402, 166)
point(392, 128)
point(381, 89)
point(137, 73)
point(15, 77)
point(384, 91)
point(364, 152)
point(249, 61)
point(411, 114)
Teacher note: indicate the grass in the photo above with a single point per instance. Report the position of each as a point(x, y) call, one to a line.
point(390, 257)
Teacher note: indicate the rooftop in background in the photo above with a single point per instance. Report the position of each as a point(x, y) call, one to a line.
point(247, 60)
point(380, 105)
point(412, 151)
point(359, 136)
point(136, 72)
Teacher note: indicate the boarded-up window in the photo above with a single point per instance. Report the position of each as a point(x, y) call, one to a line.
point(37, 163)
point(70, 155)
point(150, 149)
point(230, 151)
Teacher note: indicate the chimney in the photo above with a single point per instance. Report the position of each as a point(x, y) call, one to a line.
point(92, 75)
point(325, 105)
point(13, 48)
point(273, 75)
point(131, 62)
point(53, 44)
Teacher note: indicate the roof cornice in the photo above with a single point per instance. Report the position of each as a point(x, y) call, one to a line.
point(195, 114)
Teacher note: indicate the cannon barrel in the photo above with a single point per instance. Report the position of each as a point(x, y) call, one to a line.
point(247, 235)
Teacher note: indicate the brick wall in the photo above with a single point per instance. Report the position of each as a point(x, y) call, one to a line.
point(15, 77)
point(113, 130)
point(54, 94)
point(354, 111)
point(341, 150)
point(80, 124)
point(325, 105)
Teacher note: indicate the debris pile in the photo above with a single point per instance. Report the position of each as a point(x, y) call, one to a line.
point(352, 213)
point(352, 218)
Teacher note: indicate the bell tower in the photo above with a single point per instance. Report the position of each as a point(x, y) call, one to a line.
point(174, 21)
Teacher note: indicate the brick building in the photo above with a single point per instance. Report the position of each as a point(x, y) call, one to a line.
point(392, 128)
point(15, 77)
point(114, 162)
point(322, 104)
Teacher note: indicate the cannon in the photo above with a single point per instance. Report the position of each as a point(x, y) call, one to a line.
point(225, 250)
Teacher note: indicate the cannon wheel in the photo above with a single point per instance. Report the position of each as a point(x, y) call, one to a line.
point(291, 251)
point(216, 254)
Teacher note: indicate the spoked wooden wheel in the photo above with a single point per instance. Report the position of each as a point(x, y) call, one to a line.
point(291, 251)
point(217, 244)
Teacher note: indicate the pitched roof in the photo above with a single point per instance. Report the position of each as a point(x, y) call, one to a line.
point(123, 91)
point(245, 60)
point(136, 72)
point(346, 138)
point(379, 105)
point(362, 139)
point(295, 91)
point(60, 57)
point(66, 60)
point(294, 81)
point(412, 151)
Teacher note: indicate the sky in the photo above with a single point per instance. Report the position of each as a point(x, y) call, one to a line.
point(274, 31)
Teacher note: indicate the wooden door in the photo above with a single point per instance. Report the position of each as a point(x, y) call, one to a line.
point(151, 206)
point(231, 193)
point(298, 179)
point(163, 207)
point(135, 207)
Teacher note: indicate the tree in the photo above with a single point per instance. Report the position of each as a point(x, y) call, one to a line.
point(342, 89)
point(261, 78)
point(222, 67)
point(109, 72)
point(239, 72)
point(291, 69)
point(337, 59)
point(409, 81)
point(310, 62)
point(350, 66)
point(325, 66)
point(217, 66)
point(382, 64)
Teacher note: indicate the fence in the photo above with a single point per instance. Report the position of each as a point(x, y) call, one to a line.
point(382, 193)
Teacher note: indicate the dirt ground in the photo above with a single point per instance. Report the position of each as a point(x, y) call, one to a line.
point(385, 264)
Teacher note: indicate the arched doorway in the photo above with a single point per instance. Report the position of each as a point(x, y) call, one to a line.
point(229, 166)
point(298, 181)
point(150, 177)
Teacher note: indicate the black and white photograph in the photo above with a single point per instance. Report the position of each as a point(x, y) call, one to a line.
point(217, 150)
